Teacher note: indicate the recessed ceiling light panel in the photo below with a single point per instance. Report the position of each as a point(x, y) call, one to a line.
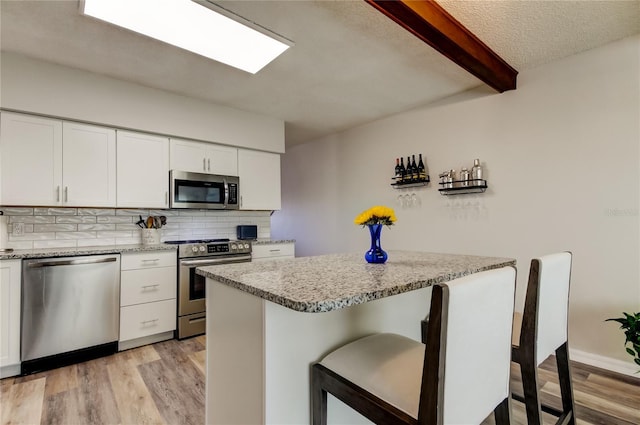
point(193, 27)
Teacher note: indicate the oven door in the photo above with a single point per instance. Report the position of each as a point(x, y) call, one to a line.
point(191, 286)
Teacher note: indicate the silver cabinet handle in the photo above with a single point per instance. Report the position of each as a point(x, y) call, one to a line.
point(145, 287)
point(166, 198)
point(152, 321)
point(66, 194)
point(153, 260)
point(209, 164)
point(57, 193)
point(274, 250)
point(204, 164)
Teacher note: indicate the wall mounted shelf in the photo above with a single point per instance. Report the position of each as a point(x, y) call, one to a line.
point(460, 187)
point(415, 183)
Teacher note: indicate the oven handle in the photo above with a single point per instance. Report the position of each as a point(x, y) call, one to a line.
point(214, 261)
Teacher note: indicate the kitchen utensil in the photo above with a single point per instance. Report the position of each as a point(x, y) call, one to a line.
point(149, 222)
point(156, 223)
point(140, 223)
point(163, 220)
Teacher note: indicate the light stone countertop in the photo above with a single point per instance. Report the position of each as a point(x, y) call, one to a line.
point(88, 250)
point(331, 282)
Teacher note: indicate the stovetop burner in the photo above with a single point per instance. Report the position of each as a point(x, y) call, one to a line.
point(196, 241)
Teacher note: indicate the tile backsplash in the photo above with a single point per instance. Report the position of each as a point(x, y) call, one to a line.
point(29, 228)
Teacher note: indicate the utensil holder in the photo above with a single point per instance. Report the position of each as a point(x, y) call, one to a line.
point(150, 236)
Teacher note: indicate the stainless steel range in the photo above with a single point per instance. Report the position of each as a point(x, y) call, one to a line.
point(191, 287)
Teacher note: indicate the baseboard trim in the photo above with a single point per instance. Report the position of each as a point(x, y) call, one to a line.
point(608, 363)
point(145, 340)
point(7, 371)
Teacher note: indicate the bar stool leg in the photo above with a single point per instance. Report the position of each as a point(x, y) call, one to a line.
point(318, 400)
point(530, 388)
point(502, 413)
point(564, 378)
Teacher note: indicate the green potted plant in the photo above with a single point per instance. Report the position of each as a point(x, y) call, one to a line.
point(631, 325)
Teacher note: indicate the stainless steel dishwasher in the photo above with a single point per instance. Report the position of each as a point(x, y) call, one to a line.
point(70, 310)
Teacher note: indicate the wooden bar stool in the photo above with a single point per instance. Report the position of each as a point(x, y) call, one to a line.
point(460, 376)
point(540, 331)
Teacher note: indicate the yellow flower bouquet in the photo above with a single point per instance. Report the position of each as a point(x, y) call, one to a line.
point(375, 218)
point(376, 215)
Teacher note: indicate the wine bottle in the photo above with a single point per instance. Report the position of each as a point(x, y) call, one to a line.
point(410, 175)
point(422, 172)
point(414, 169)
point(403, 171)
point(398, 173)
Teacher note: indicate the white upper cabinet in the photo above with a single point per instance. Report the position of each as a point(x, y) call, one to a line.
point(200, 157)
point(143, 170)
point(30, 160)
point(259, 180)
point(51, 162)
point(88, 165)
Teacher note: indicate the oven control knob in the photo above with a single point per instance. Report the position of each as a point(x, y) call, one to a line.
point(202, 248)
point(194, 248)
point(234, 246)
point(246, 246)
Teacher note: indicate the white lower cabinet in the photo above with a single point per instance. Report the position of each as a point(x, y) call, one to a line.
point(10, 272)
point(272, 251)
point(148, 288)
point(142, 320)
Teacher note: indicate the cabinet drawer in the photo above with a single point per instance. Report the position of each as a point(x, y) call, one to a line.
point(145, 260)
point(147, 285)
point(147, 319)
point(273, 250)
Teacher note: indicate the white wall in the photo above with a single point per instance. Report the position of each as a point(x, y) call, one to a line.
point(34, 86)
point(561, 155)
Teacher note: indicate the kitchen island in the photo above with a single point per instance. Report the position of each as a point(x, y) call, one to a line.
point(268, 322)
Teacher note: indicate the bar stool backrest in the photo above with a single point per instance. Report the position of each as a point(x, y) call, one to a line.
point(554, 275)
point(474, 344)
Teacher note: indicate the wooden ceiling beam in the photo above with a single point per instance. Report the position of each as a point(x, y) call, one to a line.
point(428, 21)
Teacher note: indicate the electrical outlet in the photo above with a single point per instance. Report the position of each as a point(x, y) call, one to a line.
point(18, 229)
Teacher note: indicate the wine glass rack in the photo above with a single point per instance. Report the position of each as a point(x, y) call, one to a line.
point(460, 187)
point(399, 184)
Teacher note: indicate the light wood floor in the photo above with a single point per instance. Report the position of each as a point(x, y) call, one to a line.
point(164, 384)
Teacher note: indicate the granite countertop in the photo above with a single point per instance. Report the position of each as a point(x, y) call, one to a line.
point(331, 282)
point(88, 250)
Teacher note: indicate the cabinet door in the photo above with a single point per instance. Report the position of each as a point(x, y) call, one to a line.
point(222, 160)
point(9, 317)
point(137, 321)
point(259, 174)
point(143, 170)
point(88, 165)
point(30, 160)
point(186, 155)
point(264, 252)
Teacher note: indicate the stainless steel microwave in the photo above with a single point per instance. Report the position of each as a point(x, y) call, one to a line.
point(205, 191)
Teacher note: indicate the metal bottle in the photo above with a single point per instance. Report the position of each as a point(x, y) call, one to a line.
point(476, 172)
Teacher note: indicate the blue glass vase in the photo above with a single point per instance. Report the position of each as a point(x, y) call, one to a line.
point(376, 254)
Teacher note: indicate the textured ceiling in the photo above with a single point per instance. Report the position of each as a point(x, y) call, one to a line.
point(350, 64)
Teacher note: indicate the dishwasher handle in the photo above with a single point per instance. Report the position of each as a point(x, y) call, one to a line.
point(38, 264)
